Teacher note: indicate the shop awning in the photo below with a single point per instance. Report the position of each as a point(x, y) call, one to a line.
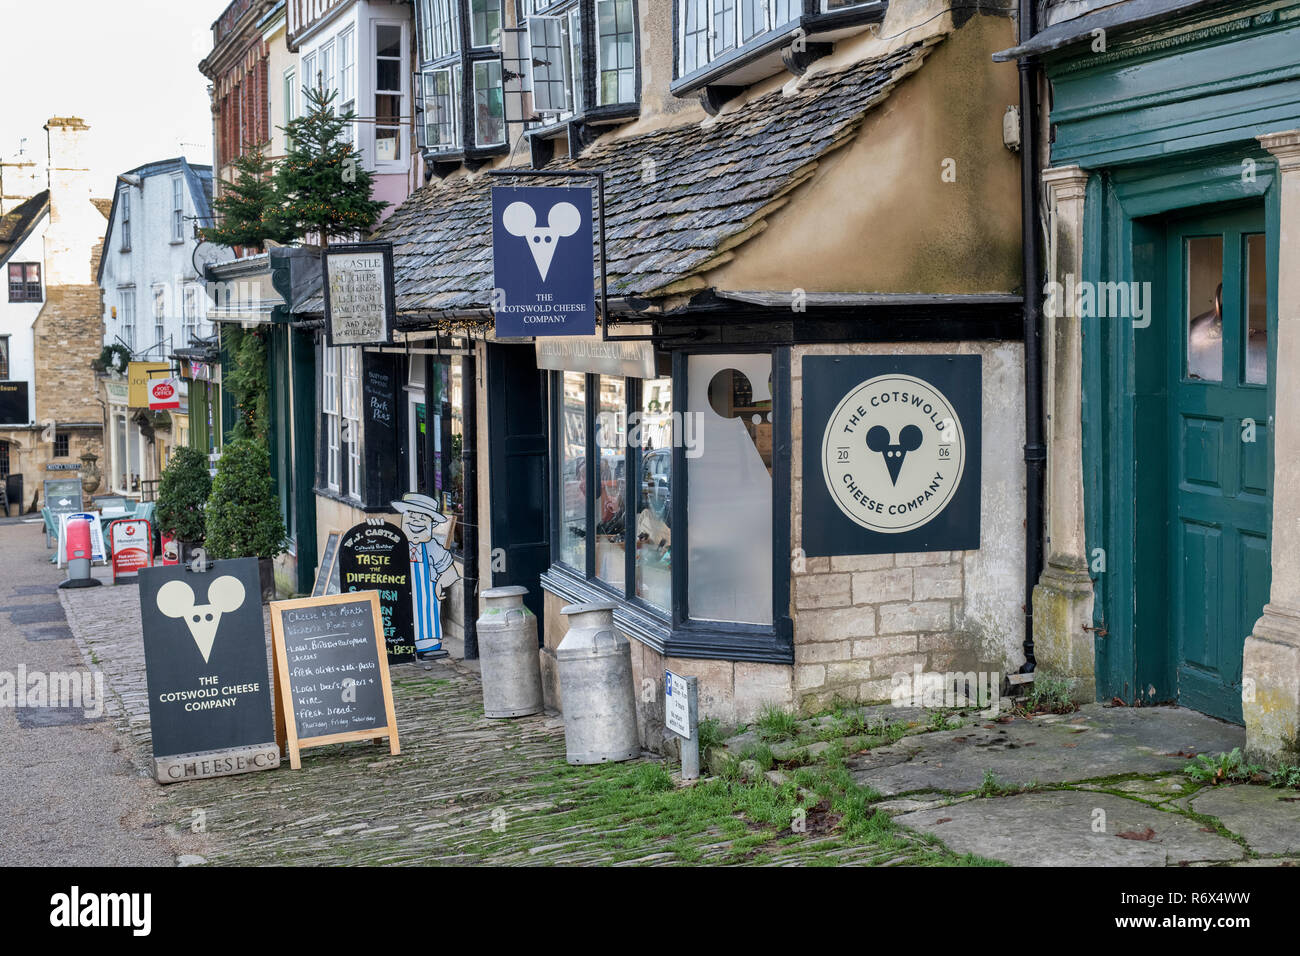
point(680, 200)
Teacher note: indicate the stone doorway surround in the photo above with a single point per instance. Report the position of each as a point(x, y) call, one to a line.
point(1271, 667)
point(1063, 598)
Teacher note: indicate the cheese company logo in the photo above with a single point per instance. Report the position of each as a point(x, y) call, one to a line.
point(893, 453)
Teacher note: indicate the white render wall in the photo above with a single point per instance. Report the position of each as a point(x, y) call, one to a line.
point(154, 259)
point(17, 318)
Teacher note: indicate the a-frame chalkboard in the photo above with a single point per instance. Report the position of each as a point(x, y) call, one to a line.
point(331, 673)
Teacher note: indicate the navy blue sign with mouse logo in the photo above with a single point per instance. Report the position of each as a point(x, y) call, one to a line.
point(543, 260)
point(891, 454)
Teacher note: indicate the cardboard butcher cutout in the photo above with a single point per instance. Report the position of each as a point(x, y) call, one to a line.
point(432, 569)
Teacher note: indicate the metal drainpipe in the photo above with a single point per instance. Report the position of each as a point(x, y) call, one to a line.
point(1035, 449)
point(469, 500)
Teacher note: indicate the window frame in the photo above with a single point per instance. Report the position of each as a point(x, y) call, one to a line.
point(401, 162)
point(124, 228)
point(5, 365)
point(25, 285)
point(126, 310)
point(599, 66)
point(178, 208)
point(675, 633)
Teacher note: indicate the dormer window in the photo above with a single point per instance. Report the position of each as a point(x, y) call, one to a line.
point(729, 44)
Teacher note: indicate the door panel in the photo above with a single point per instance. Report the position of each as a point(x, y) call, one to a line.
point(1220, 505)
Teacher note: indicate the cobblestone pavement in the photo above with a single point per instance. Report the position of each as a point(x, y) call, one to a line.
point(70, 793)
point(464, 789)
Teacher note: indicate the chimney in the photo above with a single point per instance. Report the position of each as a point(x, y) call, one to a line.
point(75, 224)
point(20, 180)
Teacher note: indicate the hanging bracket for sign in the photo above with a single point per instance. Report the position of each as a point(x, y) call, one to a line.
point(599, 176)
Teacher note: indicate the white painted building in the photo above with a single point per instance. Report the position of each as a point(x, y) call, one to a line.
point(154, 301)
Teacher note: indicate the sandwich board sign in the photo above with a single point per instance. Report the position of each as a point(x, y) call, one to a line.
point(543, 259)
point(331, 673)
point(205, 665)
point(63, 495)
point(132, 543)
point(376, 556)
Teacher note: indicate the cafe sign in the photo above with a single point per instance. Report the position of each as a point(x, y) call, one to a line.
point(359, 302)
point(891, 454)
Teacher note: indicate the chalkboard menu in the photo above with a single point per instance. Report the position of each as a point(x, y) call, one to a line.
point(63, 495)
point(327, 573)
point(381, 384)
point(332, 682)
point(205, 665)
point(375, 556)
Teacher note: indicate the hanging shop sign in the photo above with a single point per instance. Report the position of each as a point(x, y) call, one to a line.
point(164, 394)
point(360, 305)
point(589, 353)
point(543, 259)
point(13, 403)
point(205, 665)
point(331, 673)
point(375, 556)
point(891, 454)
point(132, 542)
point(139, 376)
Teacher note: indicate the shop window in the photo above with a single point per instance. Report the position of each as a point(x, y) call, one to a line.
point(573, 470)
point(330, 412)
point(4, 357)
point(4, 459)
point(439, 421)
point(611, 492)
point(350, 408)
point(652, 438)
point(61, 445)
point(25, 282)
point(729, 503)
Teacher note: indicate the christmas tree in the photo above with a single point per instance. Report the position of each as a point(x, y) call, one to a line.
point(321, 183)
point(248, 209)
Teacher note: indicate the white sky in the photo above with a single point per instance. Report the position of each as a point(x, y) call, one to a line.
point(129, 68)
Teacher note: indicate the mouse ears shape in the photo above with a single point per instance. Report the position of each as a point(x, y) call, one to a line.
point(176, 598)
point(520, 219)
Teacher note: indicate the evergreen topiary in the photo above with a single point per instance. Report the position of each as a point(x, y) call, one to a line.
point(243, 514)
point(183, 494)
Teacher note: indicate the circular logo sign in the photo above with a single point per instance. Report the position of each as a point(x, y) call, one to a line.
point(893, 453)
point(163, 390)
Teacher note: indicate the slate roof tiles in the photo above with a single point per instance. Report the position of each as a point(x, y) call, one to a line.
point(676, 198)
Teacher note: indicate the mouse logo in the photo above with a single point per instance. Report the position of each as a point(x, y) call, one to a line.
point(176, 599)
point(909, 439)
point(520, 219)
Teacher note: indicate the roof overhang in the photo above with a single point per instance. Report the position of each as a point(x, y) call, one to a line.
point(1120, 16)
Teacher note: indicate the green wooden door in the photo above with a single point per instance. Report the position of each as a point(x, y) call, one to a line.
point(1219, 452)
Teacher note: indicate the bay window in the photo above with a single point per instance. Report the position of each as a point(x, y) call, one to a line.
point(642, 475)
point(439, 28)
point(615, 52)
point(388, 92)
point(489, 104)
point(485, 22)
point(706, 29)
point(552, 64)
point(347, 97)
point(442, 108)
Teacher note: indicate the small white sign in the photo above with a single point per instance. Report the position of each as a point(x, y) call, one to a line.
point(677, 705)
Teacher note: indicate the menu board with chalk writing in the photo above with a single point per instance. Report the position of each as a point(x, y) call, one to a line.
point(331, 668)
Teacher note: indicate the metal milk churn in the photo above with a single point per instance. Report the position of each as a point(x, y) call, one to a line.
point(595, 665)
point(507, 647)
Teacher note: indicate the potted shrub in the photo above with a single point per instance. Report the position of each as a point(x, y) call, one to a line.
point(242, 518)
point(182, 496)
